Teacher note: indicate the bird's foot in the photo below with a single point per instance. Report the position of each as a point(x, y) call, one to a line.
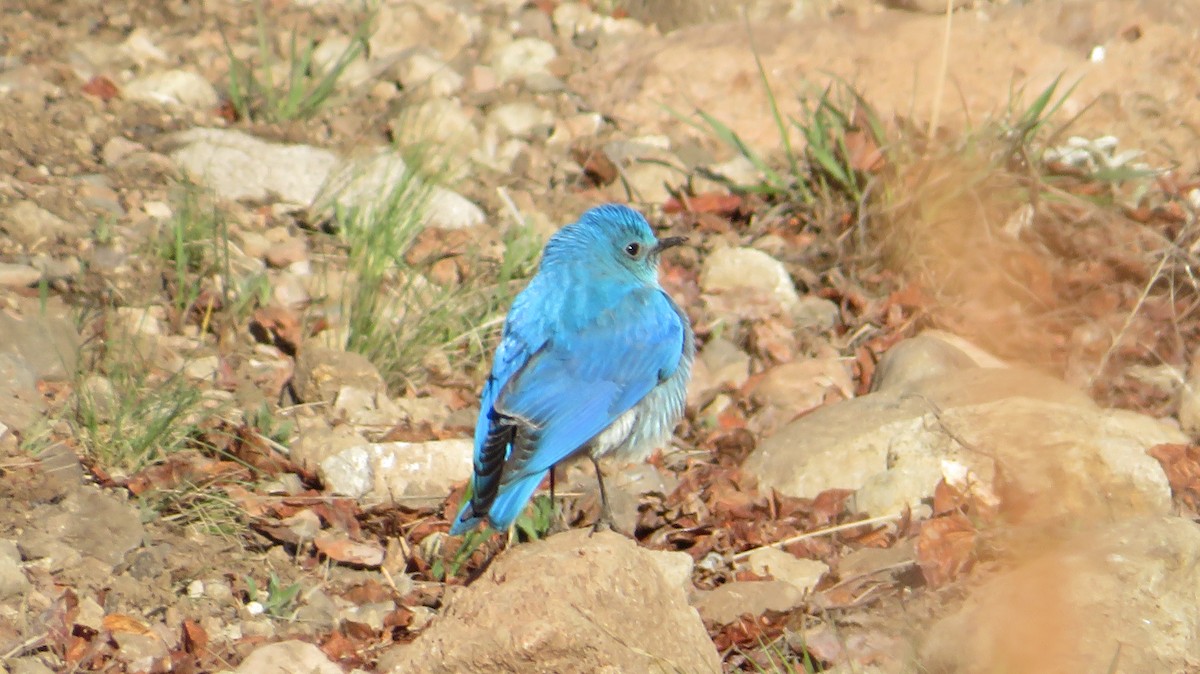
point(605, 523)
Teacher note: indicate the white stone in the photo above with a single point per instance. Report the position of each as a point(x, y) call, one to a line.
point(523, 57)
point(238, 166)
point(173, 87)
point(802, 574)
point(732, 268)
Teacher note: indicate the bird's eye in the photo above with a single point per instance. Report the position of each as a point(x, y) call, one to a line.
point(633, 249)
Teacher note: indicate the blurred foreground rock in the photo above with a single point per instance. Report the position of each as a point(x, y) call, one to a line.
point(1042, 445)
point(1119, 599)
point(571, 603)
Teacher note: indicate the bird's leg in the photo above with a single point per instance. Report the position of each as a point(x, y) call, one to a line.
point(557, 523)
point(605, 521)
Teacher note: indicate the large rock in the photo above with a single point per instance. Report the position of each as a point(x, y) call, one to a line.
point(1046, 448)
point(1120, 599)
point(236, 165)
point(383, 471)
point(575, 602)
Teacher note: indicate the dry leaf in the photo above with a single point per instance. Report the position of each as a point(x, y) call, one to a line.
point(945, 548)
point(345, 550)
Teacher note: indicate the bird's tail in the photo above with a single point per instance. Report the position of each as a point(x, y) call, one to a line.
point(466, 520)
point(512, 499)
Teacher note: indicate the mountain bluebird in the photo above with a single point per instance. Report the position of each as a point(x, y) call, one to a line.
point(595, 358)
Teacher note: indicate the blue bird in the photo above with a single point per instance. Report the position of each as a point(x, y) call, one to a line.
point(595, 357)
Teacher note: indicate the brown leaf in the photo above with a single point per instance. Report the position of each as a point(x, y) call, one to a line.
point(101, 87)
point(345, 550)
point(278, 326)
point(945, 548)
point(597, 166)
point(119, 622)
point(707, 202)
point(195, 638)
point(1181, 463)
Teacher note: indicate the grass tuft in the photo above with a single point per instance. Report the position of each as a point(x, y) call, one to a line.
point(257, 93)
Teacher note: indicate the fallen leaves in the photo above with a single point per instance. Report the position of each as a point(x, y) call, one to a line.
point(1181, 463)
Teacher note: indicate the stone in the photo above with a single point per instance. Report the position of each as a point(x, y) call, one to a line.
point(18, 275)
point(1120, 598)
point(815, 314)
point(601, 605)
point(288, 657)
point(47, 343)
point(390, 471)
point(731, 601)
point(1059, 455)
point(727, 364)
point(404, 25)
point(322, 372)
point(803, 385)
point(523, 57)
point(929, 354)
point(173, 87)
point(429, 76)
point(1189, 399)
point(335, 49)
point(522, 120)
point(727, 269)
point(31, 225)
point(13, 583)
point(802, 574)
point(88, 522)
point(239, 166)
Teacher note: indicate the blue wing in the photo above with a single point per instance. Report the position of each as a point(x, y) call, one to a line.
point(569, 388)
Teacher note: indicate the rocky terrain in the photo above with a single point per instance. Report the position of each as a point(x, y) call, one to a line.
point(254, 257)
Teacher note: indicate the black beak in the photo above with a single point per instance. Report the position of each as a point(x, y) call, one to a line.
point(669, 242)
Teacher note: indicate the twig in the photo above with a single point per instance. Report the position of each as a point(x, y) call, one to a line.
point(511, 206)
point(1162, 263)
point(820, 532)
point(945, 66)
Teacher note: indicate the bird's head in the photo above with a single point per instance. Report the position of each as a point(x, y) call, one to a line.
point(612, 237)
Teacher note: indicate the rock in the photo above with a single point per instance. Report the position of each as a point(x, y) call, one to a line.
point(286, 253)
point(334, 50)
point(443, 122)
point(117, 148)
point(1121, 598)
point(676, 567)
point(46, 342)
point(13, 582)
point(370, 182)
point(731, 601)
point(29, 665)
point(18, 275)
point(523, 57)
point(404, 25)
point(173, 87)
point(390, 470)
point(728, 269)
point(727, 364)
point(1058, 454)
point(522, 120)
point(601, 605)
point(142, 651)
point(450, 210)
point(802, 574)
point(288, 657)
point(322, 372)
point(802, 385)
point(429, 76)
point(21, 405)
point(89, 522)
point(31, 225)
point(1189, 399)
point(651, 182)
point(930, 353)
point(815, 314)
point(238, 166)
